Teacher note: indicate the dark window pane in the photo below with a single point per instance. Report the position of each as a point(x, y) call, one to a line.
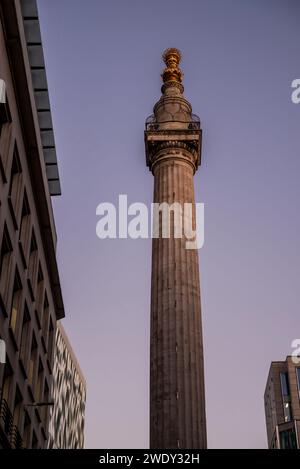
point(284, 384)
point(287, 412)
point(288, 439)
point(298, 380)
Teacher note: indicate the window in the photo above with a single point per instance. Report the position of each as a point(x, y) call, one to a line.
point(45, 326)
point(5, 115)
point(33, 264)
point(298, 380)
point(285, 389)
point(40, 290)
point(5, 263)
point(25, 337)
point(16, 302)
point(51, 339)
point(288, 439)
point(40, 274)
point(39, 384)
point(34, 444)
point(6, 249)
point(27, 430)
point(287, 412)
point(24, 237)
point(15, 186)
point(45, 410)
point(17, 415)
point(5, 148)
point(32, 362)
point(286, 398)
point(7, 381)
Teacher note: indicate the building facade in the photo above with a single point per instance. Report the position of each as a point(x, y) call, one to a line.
point(282, 405)
point(66, 426)
point(30, 294)
point(173, 154)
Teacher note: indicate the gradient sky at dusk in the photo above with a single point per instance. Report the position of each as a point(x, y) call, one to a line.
point(103, 63)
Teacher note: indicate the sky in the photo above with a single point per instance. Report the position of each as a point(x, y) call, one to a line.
point(103, 61)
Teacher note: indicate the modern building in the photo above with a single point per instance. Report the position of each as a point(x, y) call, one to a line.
point(30, 293)
point(282, 405)
point(66, 426)
point(173, 154)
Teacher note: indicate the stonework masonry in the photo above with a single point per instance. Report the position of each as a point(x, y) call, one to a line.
point(177, 395)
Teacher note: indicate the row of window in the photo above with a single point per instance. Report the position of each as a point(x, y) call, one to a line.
point(14, 301)
point(29, 253)
point(286, 395)
point(35, 284)
point(21, 410)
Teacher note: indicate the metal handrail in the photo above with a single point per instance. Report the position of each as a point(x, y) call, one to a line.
point(161, 126)
point(152, 124)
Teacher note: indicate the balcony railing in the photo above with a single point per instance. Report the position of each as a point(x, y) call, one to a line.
point(11, 431)
point(6, 417)
point(153, 126)
point(15, 438)
point(290, 429)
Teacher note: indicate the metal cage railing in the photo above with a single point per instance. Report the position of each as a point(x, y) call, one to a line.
point(153, 126)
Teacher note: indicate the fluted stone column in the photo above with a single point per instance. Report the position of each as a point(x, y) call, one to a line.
point(177, 397)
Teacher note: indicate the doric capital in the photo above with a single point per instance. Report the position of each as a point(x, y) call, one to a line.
point(181, 144)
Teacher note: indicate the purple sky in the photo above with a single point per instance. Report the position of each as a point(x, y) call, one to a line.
point(239, 58)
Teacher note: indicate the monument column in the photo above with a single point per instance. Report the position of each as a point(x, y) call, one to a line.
point(173, 153)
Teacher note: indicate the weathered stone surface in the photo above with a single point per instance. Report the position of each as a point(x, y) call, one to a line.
point(177, 395)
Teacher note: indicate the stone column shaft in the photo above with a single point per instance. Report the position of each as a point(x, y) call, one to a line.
point(177, 396)
point(177, 413)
